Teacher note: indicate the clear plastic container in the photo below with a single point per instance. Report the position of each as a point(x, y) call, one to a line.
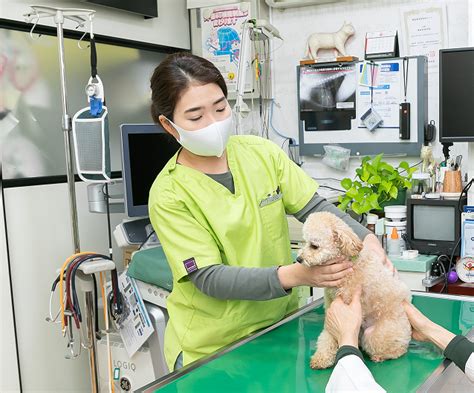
point(420, 185)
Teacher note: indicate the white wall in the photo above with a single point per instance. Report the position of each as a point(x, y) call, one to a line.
point(9, 381)
point(171, 28)
point(296, 24)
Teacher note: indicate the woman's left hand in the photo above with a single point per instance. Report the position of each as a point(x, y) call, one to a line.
point(372, 243)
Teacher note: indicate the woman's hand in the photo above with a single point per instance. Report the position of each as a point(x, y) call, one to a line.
point(343, 320)
point(315, 276)
point(372, 243)
point(426, 330)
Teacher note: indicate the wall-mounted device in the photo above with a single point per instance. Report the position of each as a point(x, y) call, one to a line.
point(456, 81)
point(434, 226)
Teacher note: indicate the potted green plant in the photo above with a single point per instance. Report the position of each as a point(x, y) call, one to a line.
point(376, 185)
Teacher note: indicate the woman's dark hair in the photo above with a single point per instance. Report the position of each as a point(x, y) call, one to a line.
point(173, 76)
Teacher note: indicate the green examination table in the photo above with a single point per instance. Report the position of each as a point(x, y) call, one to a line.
point(276, 359)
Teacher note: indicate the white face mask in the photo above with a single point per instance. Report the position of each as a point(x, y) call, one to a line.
point(208, 141)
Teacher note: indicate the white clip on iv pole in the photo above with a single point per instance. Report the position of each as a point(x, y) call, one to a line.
point(80, 16)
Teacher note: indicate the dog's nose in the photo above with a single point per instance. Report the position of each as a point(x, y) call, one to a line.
point(299, 259)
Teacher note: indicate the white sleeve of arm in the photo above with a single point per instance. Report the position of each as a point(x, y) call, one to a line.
point(469, 371)
point(352, 375)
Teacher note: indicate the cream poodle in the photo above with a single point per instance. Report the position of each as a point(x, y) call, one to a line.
point(386, 331)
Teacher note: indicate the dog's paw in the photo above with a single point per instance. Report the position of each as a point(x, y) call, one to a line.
point(394, 353)
point(377, 359)
point(321, 360)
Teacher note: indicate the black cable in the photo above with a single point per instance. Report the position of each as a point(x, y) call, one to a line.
point(96, 307)
point(405, 76)
point(452, 253)
point(144, 242)
point(331, 188)
point(372, 73)
point(327, 178)
point(83, 259)
point(117, 296)
point(445, 283)
point(464, 191)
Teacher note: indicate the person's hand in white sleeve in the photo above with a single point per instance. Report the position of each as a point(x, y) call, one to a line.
point(343, 321)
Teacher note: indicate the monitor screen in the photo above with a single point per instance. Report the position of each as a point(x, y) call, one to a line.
point(146, 148)
point(434, 223)
point(456, 77)
point(143, 7)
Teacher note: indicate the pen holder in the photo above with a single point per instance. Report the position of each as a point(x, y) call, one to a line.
point(452, 181)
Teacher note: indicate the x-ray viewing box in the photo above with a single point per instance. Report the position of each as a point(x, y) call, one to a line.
point(330, 106)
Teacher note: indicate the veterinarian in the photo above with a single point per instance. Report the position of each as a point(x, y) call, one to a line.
point(352, 375)
point(219, 209)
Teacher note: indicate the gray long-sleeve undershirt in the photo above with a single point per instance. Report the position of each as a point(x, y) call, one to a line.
point(243, 283)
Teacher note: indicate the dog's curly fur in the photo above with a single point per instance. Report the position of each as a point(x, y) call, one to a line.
point(386, 331)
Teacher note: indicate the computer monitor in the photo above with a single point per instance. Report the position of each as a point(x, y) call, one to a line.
point(146, 148)
point(456, 95)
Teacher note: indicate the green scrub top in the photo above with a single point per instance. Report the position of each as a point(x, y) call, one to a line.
point(200, 223)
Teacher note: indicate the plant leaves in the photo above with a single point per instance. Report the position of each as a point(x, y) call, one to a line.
point(404, 165)
point(365, 174)
point(376, 161)
point(385, 185)
point(375, 179)
point(346, 183)
point(356, 207)
point(386, 167)
point(344, 204)
point(411, 171)
point(360, 196)
point(393, 192)
point(366, 206)
point(406, 183)
point(372, 170)
point(352, 192)
point(373, 200)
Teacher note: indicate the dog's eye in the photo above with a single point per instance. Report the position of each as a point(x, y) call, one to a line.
point(314, 246)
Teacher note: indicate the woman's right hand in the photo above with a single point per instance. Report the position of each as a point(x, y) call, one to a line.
point(315, 276)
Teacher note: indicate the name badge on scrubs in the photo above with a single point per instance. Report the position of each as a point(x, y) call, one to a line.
point(275, 196)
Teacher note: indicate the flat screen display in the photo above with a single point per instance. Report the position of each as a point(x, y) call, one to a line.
point(146, 150)
point(433, 222)
point(142, 7)
point(457, 95)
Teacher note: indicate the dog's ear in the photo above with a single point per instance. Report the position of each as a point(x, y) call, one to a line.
point(347, 240)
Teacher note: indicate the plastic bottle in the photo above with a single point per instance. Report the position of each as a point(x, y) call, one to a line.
point(371, 221)
point(393, 244)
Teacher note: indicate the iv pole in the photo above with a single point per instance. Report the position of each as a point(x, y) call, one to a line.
point(80, 16)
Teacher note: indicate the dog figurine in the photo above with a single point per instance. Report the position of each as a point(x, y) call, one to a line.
point(385, 331)
point(334, 41)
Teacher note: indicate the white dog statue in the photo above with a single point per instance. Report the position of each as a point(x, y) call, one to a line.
point(334, 41)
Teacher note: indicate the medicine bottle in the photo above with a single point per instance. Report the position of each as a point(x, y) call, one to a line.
point(371, 221)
